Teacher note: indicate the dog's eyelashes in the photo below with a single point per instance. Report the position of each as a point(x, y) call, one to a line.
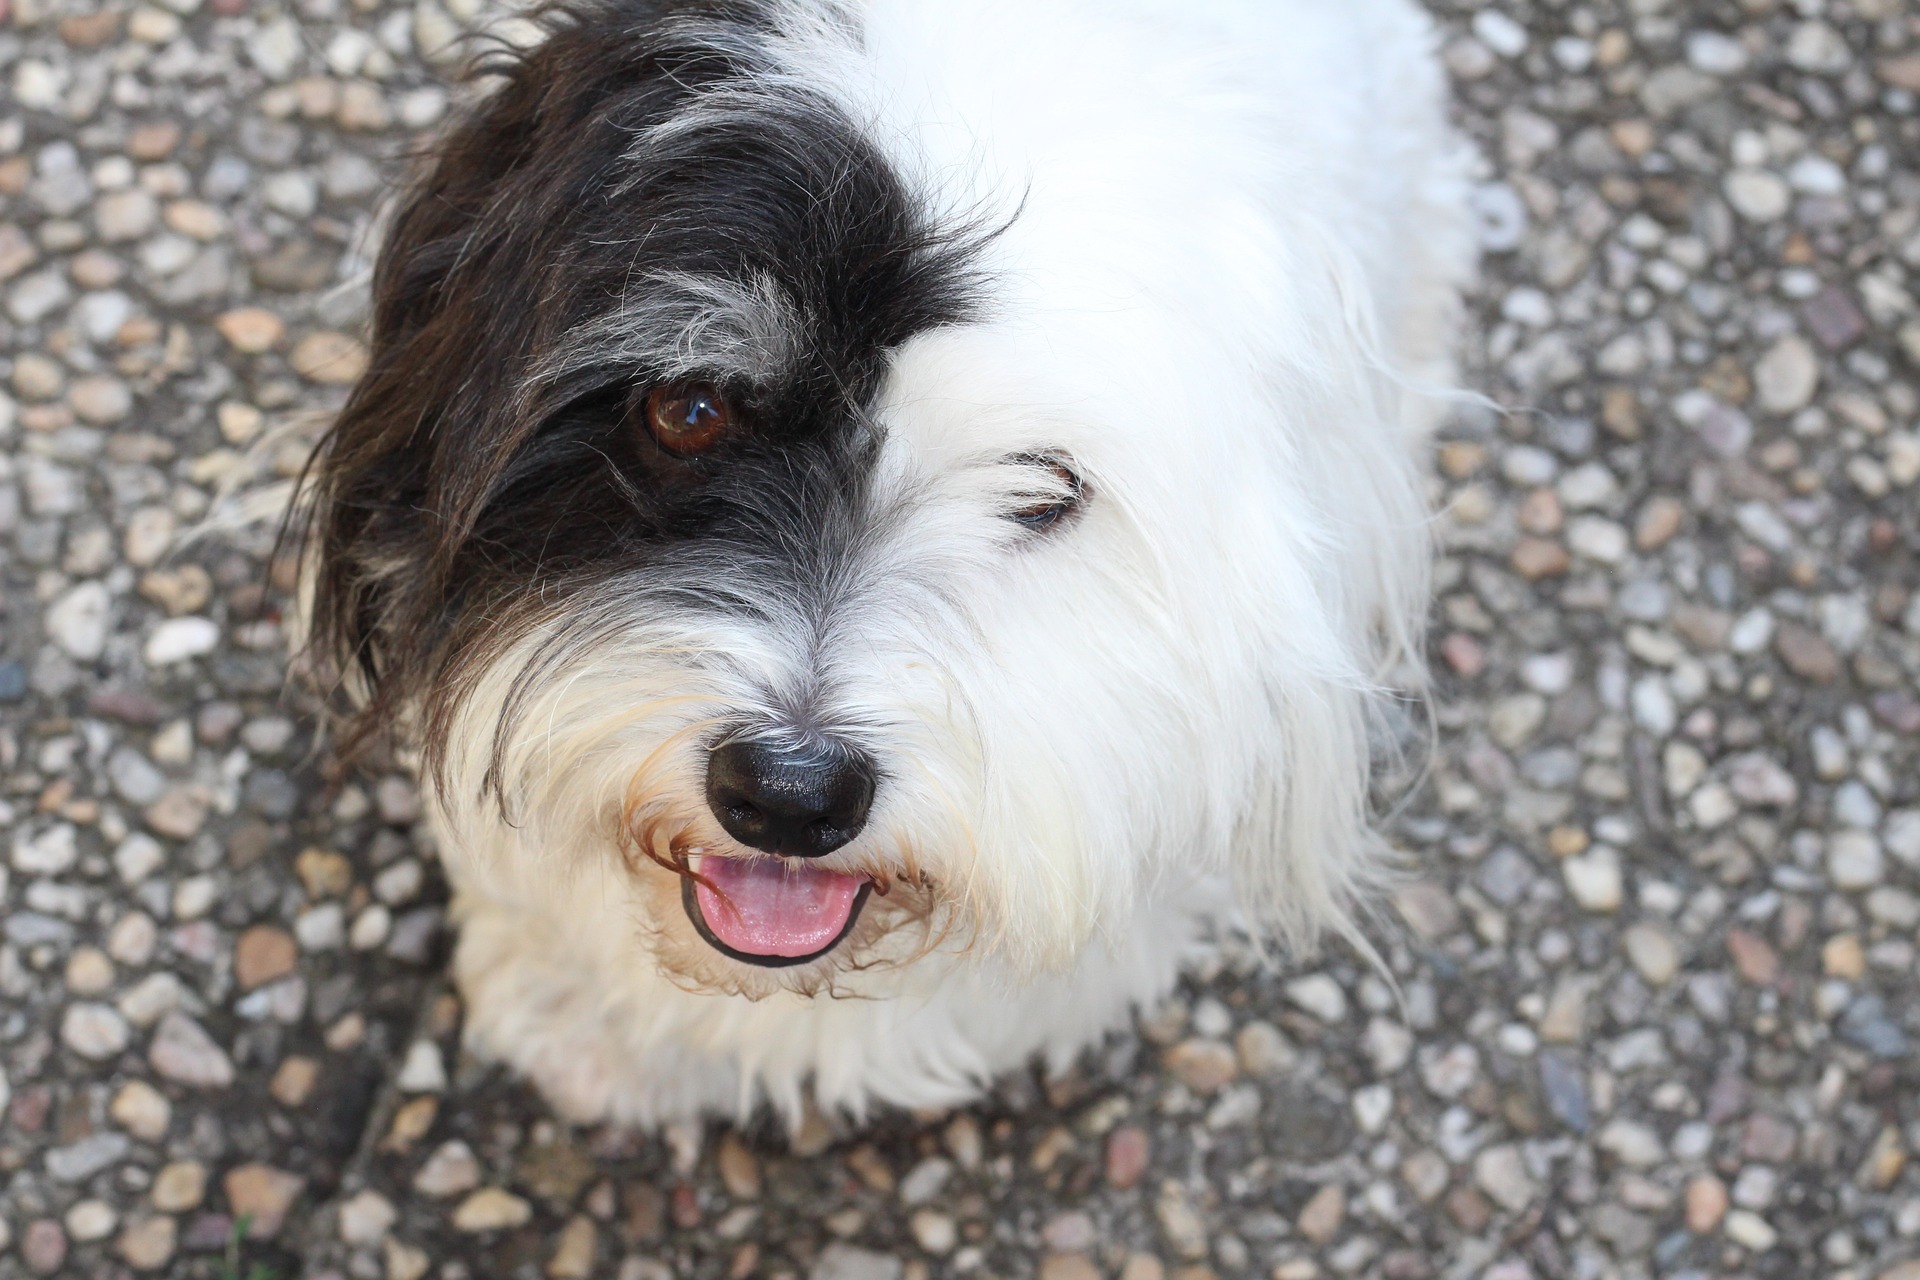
point(1060, 499)
point(687, 418)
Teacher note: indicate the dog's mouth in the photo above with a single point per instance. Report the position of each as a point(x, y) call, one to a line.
point(772, 912)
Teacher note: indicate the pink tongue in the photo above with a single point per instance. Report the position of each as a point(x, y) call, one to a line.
point(774, 907)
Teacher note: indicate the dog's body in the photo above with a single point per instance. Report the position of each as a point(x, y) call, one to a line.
point(997, 421)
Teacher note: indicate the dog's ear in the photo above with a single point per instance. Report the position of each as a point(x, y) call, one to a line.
point(424, 435)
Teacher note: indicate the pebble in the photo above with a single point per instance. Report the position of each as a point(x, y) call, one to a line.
point(94, 1031)
point(1854, 860)
point(1321, 1218)
point(365, 1218)
point(78, 620)
point(451, 1170)
point(148, 1244)
point(263, 954)
point(183, 1052)
point(178, 639)
point(179, 1187)
point(1595, 880)
point(1320, 996)
point(1706, 1204)
point(1653, 953)
point(251, 329)
point(1204, 1065)
point(491, 1209)
point(263, 1195)
point(1787, 376)
point(141, 1110)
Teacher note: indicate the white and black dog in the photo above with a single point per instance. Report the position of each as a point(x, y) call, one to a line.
point(885, 520)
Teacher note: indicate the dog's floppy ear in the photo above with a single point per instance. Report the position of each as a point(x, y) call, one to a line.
point(461, 297)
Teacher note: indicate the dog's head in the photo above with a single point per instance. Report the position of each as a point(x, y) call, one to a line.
point(868, 559)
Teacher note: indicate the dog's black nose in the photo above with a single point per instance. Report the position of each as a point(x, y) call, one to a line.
point(803, 801)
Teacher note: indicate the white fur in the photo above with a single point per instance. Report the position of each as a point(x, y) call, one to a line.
point(1234, 234)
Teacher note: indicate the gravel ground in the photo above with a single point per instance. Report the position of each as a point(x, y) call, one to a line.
point(1658, 958)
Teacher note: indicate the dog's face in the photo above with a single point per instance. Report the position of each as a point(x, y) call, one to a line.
point(863, 582)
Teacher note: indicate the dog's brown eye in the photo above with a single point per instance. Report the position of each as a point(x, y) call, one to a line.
point(688, 417)
point(1063, 495)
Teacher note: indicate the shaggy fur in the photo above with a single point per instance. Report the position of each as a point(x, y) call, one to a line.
point(1182, 275)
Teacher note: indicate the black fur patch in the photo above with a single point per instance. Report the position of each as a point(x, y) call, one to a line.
point(562, 251)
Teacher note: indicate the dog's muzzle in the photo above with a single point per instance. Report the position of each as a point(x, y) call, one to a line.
point(796, 803)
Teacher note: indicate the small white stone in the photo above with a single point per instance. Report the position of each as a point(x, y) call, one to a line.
point(370, 928)
point(1854, 860)
point(1594, 879)
point(1749, 1230)
point(1502, 1173)
point(47, 854)
point(1817, 47)
point(178, 639)
point(153, 998)
point(423, 1071)
point(323, 928)
point(91, 1220)
point(1653, 707)
point(1816, 175)
point(1500, 33)
point(1787, 376)
point(1902, 836)
point(1751, 632)
point(78, 620)
point(1320, 996)
point(1632, 1144)
point(1757, 195)
point(1652, 951)
point(1548, 673)
point(137, 858)
point(1715, 54)
point(94, 1031)
point(450, 1170)
point(934, 1232)
point(1598, 539)
point(1372, 1107)
point(1452, 1072)
point(366, 1218)
point(1588, 486)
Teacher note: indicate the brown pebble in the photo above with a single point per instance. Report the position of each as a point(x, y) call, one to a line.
point(1706, 1204)
point(1806, 653)
point(1068, 1266)
point(90, 30)
point(330, 358)
point(1202, 1064)
point(153, 141)
point(251, 329)
point(1540, 512)
point(262, 1194)
point(1659, 520)
point(1321, 1217)
point(1753, 957)
point(739, 1169)
point(1842, 957)
point(1464, 655)
point(411, 1123)
point(262, 955)
point(293, 1081)
point(1128, 1152)
point(147, 1244)
point(1537, 558)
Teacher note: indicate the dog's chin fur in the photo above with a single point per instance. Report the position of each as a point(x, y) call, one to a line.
point(1205, 257)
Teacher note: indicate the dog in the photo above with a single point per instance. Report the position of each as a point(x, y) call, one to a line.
point(888, 523)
